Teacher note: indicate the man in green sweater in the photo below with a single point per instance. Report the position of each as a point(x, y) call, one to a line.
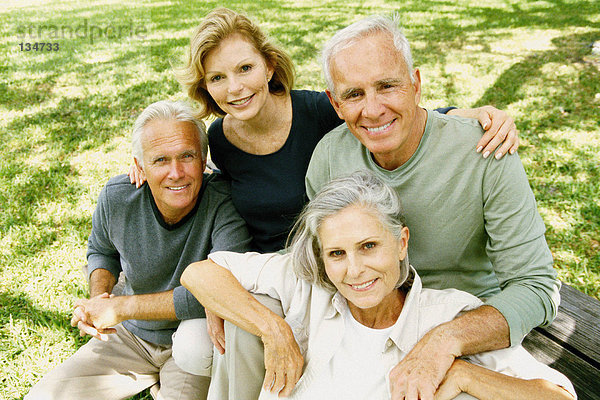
point(150, 234)
point(473, 221)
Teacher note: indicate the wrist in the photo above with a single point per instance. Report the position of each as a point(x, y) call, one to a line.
point(462, 373)
point(445, 335)
point(123, 306)
point(274, 328)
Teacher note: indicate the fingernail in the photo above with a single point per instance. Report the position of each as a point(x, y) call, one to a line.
point(485, 126)
point(498, 155)
point(479, 149)
point(512, 151)
point(486, 154)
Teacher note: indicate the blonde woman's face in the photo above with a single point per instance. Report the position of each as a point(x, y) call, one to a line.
point(237, 77)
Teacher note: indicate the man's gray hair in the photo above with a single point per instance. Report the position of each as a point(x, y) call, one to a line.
point(361, 188)
point(358, 30)
point(165, 110)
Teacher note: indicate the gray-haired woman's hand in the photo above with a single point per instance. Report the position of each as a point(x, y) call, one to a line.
point(283, 359)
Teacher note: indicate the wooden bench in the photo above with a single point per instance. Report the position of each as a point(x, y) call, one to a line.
point(572, 343)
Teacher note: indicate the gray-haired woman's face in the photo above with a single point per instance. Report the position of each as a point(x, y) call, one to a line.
point(362, 256)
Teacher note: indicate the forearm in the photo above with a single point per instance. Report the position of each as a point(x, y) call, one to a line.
point(485, 384)
point(101, 281)
point(476, 331)
point(526, 305)
point(152, 306)
point(220, 292)
point(104, 312)
point(465, 112)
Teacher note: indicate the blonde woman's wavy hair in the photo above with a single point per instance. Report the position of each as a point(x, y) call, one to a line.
point(219, 24)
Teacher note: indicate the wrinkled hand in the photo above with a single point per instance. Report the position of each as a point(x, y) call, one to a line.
point(85, 326)
point(136, 176)
point(452, 384)
point(101, 311)
point(499, 129)
point(419, 374)
point(216, 330)
point(283, 361)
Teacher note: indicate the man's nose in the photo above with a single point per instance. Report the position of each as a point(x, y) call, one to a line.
point(176, 170)
point(372, 106)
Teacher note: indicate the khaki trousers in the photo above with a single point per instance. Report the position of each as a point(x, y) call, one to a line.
point(118, 369)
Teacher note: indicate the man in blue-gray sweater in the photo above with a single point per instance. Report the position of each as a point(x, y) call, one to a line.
point(151, 234)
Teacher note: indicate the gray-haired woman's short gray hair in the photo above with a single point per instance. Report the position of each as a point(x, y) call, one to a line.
point(358, 30)
point(360, 188)
point(165, 110)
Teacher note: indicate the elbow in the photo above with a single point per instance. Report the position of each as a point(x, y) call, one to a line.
point(553, 391)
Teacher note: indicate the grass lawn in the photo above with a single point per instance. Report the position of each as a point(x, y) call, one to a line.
point(65, 117)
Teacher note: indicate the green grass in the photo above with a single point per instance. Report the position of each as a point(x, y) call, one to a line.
point(65, 117)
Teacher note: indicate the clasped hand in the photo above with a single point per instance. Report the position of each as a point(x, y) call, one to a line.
point(419, 374)
point(95, 316)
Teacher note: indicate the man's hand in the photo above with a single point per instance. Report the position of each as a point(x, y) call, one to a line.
point(100, 312)
point(419, 374)
point(283, 360)
point(216, 330)
point(86, 327)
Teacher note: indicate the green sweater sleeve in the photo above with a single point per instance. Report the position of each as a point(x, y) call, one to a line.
point(517, 249)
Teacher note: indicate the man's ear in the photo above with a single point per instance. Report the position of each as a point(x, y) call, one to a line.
point(417, 85)
point(334, 103)
point(139, 167)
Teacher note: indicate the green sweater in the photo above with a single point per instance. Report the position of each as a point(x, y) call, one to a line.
point(473, 222)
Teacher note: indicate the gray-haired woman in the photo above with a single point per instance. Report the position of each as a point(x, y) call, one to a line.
point(353, 306)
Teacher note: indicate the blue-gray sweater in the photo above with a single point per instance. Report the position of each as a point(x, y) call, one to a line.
point(130, 235)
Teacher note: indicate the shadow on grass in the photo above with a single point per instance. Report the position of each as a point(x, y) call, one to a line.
point(568, 49)
point(19, 306)
point(559, 107)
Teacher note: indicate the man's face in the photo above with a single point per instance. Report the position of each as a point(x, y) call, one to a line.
point(376, 97)
point(173, 166)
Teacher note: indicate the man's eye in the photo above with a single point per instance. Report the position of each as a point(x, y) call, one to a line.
point(352, 96)
point(369, 245)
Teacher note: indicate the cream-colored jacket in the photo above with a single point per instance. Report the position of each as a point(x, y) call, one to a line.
point(315, 316)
